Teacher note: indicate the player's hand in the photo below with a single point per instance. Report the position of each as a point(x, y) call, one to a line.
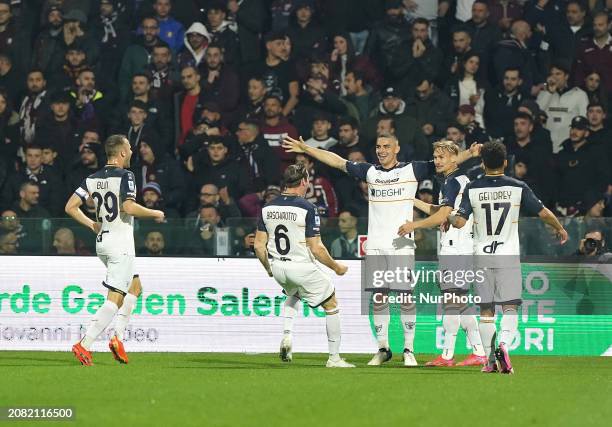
point(444, 226)
point(96, 227)
point(159, 216)
point(563, 236)
point(340, 269)
point(406, 228)
point(475, 149)
point(293, 145)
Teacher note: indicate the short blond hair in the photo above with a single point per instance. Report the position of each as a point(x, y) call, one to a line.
point(448, 146)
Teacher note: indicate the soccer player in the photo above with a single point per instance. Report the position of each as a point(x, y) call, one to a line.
point(495, 201)
point(113, 190)
point(456, 250)
point(288, 234)
point(391, 187)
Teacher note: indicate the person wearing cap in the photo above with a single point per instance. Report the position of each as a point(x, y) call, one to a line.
point(501, 104)
point(275, 127)
point(153, 165)
point(388, 37)
point(137, 55)
point(467, 117)
point(278, 72)
point(89, 162)
point(59, 126)
point(220, 82)
point(152, 197)
point(171, 31)
point(44, 45)
point(223, 32)
point(562, 103)
point(426, 191)
point(197, 38)
point(306, 35)
point(321, 125)
point(537, 153)
point(214, 165)
point(581, 166)
point(407, 130)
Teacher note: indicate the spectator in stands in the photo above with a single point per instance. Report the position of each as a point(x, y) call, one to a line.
point(413, 143)
point(250, 16)
point(188, 103)
point(49, 155)
point(275, 128)
point(154, 165)
point(461, 44)
point(562, 103)
point(319, 192)
point(211, 195)
point(320, 137)
point(305, 33)
point(138, 129)
point(251, 204)
point(343, 60)
point(582, 167)
point(223, 32)
point(154, 244)
point(214, 165)
point(14, 40)
point(220, 83)
point(594, 54)
point(505, 12)
point(358, 93)
point(44, 45)
point(33, 105)
point(171, 31)
point(196, 41)
point(502, 102)
point(484, 33)
point(165, 80)
point(466, 88)
point(28, 206)
point(537, 156)
point(9, 222)
point(467, 117)
point(9, 127)
point(595, 90)
point(256, 154)
point(47, 182)
point(347, 244)
point(109, 29)
point(64, 242)
point(515, 52)
point(348, 137)
point(599, 132)
point(90, 162)
point(431, 108)
point(92, 107)
point(153, 198)
point(137, 56)
point(564, 35)
point(75, 62)
point(10, 78)
point(9, 243)
point(279, 73)
point(207, 222)
point(252, 107)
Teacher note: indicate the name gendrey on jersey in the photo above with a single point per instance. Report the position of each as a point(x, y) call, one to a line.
point(109, 188)
point(391, 195)
point(455, 241)
point(289, 220)
point(495, 202)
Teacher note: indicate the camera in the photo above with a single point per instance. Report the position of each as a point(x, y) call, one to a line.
point(592, 245)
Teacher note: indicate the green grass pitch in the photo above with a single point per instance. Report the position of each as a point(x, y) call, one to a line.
point(212, 389)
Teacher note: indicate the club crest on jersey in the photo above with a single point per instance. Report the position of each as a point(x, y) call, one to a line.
point(131, 185)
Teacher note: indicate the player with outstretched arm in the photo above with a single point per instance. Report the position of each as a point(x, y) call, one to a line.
point(113, 190)
point(392, 186)
point(287, 243)
point(495, 200)
point(455, 256)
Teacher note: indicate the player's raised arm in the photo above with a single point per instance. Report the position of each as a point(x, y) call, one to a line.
point(261, 251)
point(441, 214)
point(473, 151)
point(321, 254)
point(549, 218)
point(73, 209)
point(426, 208)
point(299, 146)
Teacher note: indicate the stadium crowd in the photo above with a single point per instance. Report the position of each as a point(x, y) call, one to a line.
point(205, 91)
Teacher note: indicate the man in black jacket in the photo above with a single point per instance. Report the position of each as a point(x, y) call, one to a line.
point(501, 104)
point(582, 166)
point(484, 35)
point(255, 154)
point(431, 107)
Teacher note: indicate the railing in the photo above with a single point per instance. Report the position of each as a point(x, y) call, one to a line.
point(193, 237)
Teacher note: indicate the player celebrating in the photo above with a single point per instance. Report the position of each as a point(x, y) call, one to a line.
point(456, 250)
point(495, 201)
point(391, 187)
point(113, 190)
point(288, 232)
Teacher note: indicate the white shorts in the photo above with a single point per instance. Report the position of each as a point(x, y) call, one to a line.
point(119, 272)
point(500, 286)
point(389, 260)
point(303, 279)
point(453, 269)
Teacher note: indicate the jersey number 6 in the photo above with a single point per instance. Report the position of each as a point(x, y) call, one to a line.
point(280, 235)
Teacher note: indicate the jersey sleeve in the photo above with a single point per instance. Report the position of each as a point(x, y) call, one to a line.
point(128, 187)
point(450, 191)
point(358, 170)
point(313, 222)
point(82, 191)
point(423, 169)
point(465, 209)
point(530, 202)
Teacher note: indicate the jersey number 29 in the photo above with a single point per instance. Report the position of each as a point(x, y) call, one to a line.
point(111, 205)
